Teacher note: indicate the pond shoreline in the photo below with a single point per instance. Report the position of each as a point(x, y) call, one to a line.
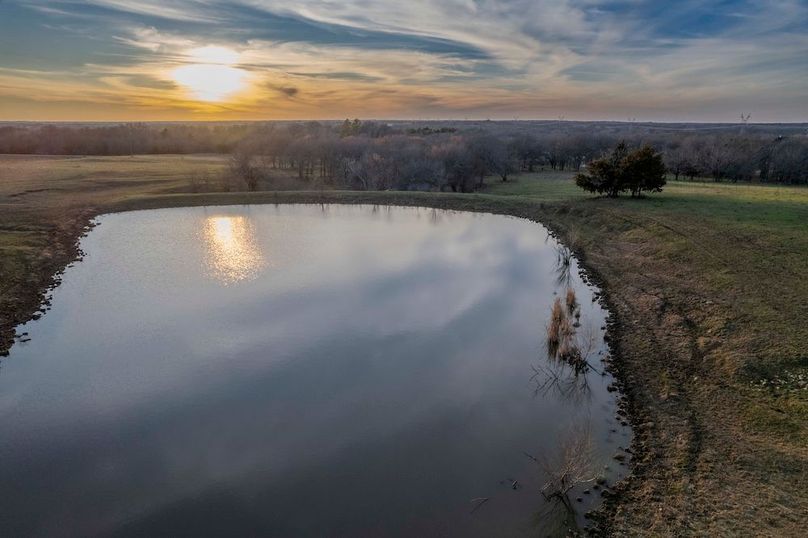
point(678, 407)
point(67, 251)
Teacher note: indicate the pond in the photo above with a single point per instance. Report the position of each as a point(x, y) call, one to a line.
point(307, 370)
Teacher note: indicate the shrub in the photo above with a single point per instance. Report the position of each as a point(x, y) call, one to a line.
point(643, 170)
point(635, 171)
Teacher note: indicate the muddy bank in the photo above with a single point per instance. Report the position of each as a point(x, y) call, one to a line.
point(25, 290)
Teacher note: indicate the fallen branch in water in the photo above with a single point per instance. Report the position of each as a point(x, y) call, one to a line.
point(480, 501)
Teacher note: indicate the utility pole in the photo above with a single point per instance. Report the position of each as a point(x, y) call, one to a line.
point(744, 121)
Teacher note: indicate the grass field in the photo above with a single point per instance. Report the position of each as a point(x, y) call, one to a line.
point(748, 242)
point(708, 283)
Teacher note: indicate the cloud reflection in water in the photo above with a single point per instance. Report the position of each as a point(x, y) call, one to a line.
point(385, 356)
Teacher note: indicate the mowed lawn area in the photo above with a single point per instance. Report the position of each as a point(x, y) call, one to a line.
point(708, 283)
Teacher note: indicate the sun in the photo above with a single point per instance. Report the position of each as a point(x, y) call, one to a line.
point(211, 76)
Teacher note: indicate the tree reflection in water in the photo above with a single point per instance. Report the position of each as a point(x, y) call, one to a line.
point(563, 266)
point(564, 373)
point(569, 466)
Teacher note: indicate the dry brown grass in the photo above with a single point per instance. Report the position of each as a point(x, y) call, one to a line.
point(557, 328)
point(571, 300)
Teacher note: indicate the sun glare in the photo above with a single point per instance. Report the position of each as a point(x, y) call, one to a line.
point(233, 252)
point(211, 77)
point(214, 55)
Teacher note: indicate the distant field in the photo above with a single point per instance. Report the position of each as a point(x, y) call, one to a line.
point(709, 283)
point(26, 175)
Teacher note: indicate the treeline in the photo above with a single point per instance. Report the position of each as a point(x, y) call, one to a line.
point(121, 139)
point(367, 155)
point(433, 155)
point(778, 159)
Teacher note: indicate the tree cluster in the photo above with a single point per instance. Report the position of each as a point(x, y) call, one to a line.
point(365, 156)
point(778, 159)
point(623, 170)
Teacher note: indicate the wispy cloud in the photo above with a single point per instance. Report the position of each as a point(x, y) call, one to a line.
point(454, 58)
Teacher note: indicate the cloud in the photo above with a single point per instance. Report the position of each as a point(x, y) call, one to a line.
point(288, 91)
point(491, 58)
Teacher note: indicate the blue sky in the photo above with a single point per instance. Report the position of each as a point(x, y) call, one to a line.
point(262, 59)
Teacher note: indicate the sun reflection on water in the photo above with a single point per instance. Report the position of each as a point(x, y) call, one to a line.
point(232, 252)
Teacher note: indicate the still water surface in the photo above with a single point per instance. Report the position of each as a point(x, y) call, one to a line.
point(298, 371)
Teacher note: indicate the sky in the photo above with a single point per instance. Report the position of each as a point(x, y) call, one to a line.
point(643, 60)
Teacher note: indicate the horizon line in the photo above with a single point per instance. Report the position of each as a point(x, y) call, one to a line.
point(381, 120)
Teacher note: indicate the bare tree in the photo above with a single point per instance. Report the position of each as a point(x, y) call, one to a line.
point(243, 167)
point(570, 466)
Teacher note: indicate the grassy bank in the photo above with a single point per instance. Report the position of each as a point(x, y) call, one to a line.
point(709, 284)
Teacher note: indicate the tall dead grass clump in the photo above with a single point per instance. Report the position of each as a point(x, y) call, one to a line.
point(556, 327)
point(560, 331)
point(562, 342)
point(571, 300)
